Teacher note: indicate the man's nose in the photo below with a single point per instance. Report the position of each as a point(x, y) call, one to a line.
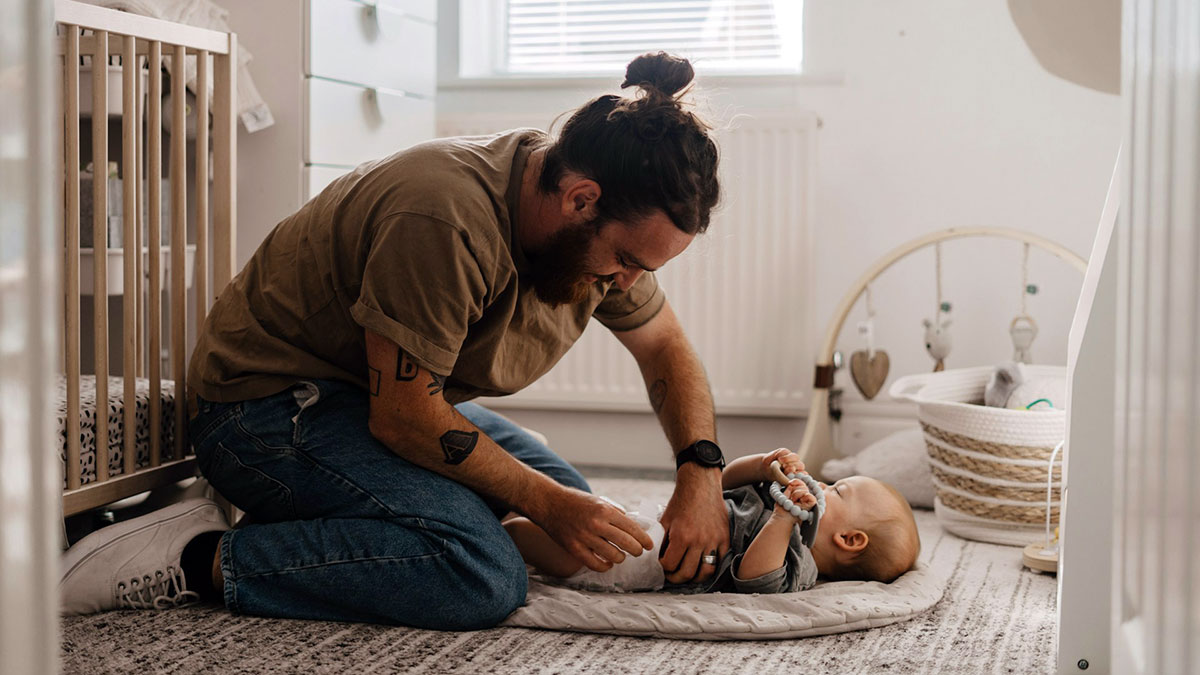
point(625, 280)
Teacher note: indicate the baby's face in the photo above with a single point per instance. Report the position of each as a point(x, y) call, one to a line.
point(851, 502)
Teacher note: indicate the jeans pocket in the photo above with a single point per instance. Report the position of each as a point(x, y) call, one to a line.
point(246, 483)
point(206, 425)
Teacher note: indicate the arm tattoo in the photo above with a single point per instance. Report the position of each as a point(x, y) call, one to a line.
point(406, 368)
point(437, 385)
point(373, 375)
point(658, 394)
point(457, 445)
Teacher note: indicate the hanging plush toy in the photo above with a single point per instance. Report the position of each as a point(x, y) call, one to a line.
point(1023, 328)
point(869, 367)
point(937, 341)
point(937, 330)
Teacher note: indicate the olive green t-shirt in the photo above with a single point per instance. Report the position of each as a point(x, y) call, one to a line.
point(421, 248)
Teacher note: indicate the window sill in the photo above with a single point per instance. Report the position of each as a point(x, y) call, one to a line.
point(591, 81)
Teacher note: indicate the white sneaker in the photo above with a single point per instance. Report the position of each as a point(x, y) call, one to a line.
point(134, 564)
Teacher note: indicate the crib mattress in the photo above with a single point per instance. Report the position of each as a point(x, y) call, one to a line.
point(116, 424)
point(832, 607)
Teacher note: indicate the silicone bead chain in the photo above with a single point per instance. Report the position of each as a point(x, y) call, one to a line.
point(793, 508)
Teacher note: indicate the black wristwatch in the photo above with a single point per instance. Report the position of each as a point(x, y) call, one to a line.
point(704, 453)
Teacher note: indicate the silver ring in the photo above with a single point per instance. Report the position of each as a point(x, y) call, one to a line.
point(708, 559)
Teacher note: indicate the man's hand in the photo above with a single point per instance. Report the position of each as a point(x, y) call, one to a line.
point(592, 530)
point(697, 524)
point(788, 461)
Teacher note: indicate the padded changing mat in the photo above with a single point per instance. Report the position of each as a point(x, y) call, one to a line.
point(831, 607)
point(116, 424)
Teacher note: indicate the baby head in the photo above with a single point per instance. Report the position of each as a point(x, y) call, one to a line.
point(867, 532)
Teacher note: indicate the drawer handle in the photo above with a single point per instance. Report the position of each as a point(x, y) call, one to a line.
point(377, 100)
point(386, 20)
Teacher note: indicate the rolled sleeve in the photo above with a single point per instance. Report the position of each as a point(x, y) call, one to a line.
point(774, 581)
point(422, 289)
point(627, 310)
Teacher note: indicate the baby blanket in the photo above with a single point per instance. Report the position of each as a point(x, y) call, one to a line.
point(829, 607)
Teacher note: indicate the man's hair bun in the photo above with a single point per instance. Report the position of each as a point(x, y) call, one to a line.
point(659, 72)
point(647, 152)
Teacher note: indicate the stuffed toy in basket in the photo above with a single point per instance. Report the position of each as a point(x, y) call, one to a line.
point(990, 465)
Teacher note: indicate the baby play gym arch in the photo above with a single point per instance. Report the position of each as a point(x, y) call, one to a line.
point(817, 444)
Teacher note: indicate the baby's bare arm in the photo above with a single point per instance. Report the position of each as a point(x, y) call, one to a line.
point(757, 468)
point(539, 549)
point(768, 551)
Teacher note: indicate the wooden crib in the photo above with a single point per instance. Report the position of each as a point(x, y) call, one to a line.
point(142, 45)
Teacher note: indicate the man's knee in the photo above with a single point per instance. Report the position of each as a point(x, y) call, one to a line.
point(477, 579)
point(498, 594)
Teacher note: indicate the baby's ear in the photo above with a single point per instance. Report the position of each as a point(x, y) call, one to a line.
point(851, 541)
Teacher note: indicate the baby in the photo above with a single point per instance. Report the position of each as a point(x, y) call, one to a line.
point(866, 533)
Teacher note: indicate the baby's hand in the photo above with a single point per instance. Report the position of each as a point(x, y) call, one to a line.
point(788, 461)
point(799, 493)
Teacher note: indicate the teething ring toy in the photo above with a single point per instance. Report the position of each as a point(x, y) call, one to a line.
point(809, 520)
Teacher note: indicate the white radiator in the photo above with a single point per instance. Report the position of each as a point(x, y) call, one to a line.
point(742, 291)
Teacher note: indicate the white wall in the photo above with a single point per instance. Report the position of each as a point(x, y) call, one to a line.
point(935, 114)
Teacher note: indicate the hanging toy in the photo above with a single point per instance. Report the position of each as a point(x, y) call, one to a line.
point(809, 520)
point(869, 368)
point(937, 330)
point(1023, 328)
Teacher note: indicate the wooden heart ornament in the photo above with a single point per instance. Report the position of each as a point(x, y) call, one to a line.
point(869, 372)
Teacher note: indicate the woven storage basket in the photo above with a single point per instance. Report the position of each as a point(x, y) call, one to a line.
point(989, 465)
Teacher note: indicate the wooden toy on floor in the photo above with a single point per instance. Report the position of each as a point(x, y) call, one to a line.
point(1043, 557)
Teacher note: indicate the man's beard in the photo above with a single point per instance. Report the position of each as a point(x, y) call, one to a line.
point(558, 269)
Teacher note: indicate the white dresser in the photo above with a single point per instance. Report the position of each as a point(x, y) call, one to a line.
point(347, 81)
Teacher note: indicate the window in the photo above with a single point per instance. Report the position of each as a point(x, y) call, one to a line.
point(547, 38)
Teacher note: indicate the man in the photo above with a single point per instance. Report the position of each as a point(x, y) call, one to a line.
point(333, 377)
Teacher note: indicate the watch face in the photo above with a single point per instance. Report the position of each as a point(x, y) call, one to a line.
point(708, 452)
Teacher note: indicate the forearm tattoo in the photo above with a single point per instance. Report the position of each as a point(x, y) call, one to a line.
point(406, 368)
point(437, 385)
point(658, 394)
point(457, 445)
point(373, 375)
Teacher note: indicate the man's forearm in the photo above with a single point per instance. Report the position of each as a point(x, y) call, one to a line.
point(680, 394)
point(444, 441)
point(452, 446)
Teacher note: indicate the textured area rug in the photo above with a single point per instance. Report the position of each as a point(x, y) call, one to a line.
point(995, 617)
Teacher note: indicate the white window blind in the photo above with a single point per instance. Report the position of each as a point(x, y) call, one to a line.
point(547, 37)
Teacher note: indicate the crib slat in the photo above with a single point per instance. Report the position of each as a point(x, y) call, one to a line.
point(100, 244)
point(129, 239)
point(139, 300)
point(201, 265)
point(179, 239)
point(71, 237)
point(153, 243)
point(224, 165)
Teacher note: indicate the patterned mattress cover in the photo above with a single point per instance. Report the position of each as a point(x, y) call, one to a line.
point(116, 424)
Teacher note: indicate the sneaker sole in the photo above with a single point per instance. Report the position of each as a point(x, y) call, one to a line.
point(89, 545)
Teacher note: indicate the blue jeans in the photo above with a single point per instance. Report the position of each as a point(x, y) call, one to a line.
point(341, 528)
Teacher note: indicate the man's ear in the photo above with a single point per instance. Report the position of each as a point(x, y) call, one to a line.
point(851, 541)
point(579, 198)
